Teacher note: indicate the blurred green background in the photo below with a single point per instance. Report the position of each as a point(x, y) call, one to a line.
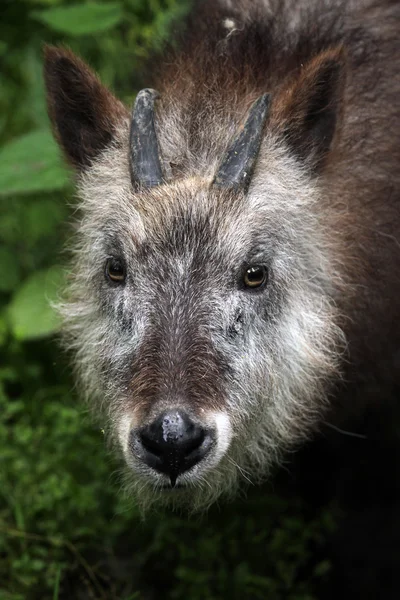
point(66, 529)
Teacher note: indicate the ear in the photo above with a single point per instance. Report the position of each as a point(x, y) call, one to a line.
point(83, 112)
point(310, 108)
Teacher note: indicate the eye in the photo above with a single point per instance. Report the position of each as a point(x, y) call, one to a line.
point(115, 270)
point(255, 276)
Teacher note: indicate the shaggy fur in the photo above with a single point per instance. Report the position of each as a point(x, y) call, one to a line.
point(264, 368)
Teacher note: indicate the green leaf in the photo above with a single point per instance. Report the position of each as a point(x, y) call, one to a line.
point(3, 337)
point(81, 19)
point(42, 218)
point(43, 2)
point(31, 163)
point(33, 69)
point(30, 313)
point(9, 270)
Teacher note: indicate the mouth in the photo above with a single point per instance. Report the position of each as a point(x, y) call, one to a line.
point(168, 487)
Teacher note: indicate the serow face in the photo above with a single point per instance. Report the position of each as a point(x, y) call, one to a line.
point(175, 427)
point(200, 309)
point(206, 340)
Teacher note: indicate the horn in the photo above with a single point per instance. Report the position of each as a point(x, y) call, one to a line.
point(238, 162)
point(145, 161)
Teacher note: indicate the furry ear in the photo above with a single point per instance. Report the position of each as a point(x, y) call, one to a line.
point(83, 112)
point(310, 108)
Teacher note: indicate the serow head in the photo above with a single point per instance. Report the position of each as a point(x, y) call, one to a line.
point(201, 308)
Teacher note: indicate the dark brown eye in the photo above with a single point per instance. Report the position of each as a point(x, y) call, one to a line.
point(115, 270)
point(255, 277)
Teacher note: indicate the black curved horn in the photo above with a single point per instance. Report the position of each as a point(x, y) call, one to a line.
point(145, 161)
point(238, 162)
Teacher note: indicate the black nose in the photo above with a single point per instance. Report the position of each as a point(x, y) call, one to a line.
point(173, 443)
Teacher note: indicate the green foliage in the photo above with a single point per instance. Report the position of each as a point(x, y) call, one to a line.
point(31, 312)
point(31, 163)
point(66, 531)
point(82, 19)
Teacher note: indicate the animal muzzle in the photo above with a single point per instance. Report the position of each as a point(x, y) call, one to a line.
point(172, 444)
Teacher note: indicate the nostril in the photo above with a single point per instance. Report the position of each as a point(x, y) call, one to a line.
point(194, 442)
point(150, 445)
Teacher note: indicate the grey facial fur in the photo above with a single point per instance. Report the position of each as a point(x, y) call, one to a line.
point(253, 363)
point(260, 367)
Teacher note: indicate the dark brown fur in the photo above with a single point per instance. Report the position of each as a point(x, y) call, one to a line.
point(332, 69)
point(362, 176)
point(82, 110)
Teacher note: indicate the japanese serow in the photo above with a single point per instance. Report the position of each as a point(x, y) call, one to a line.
point(236, 275)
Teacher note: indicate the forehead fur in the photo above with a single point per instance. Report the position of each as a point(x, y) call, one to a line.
point(280, 189)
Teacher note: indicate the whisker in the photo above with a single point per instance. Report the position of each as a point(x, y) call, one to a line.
point(344, 432)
